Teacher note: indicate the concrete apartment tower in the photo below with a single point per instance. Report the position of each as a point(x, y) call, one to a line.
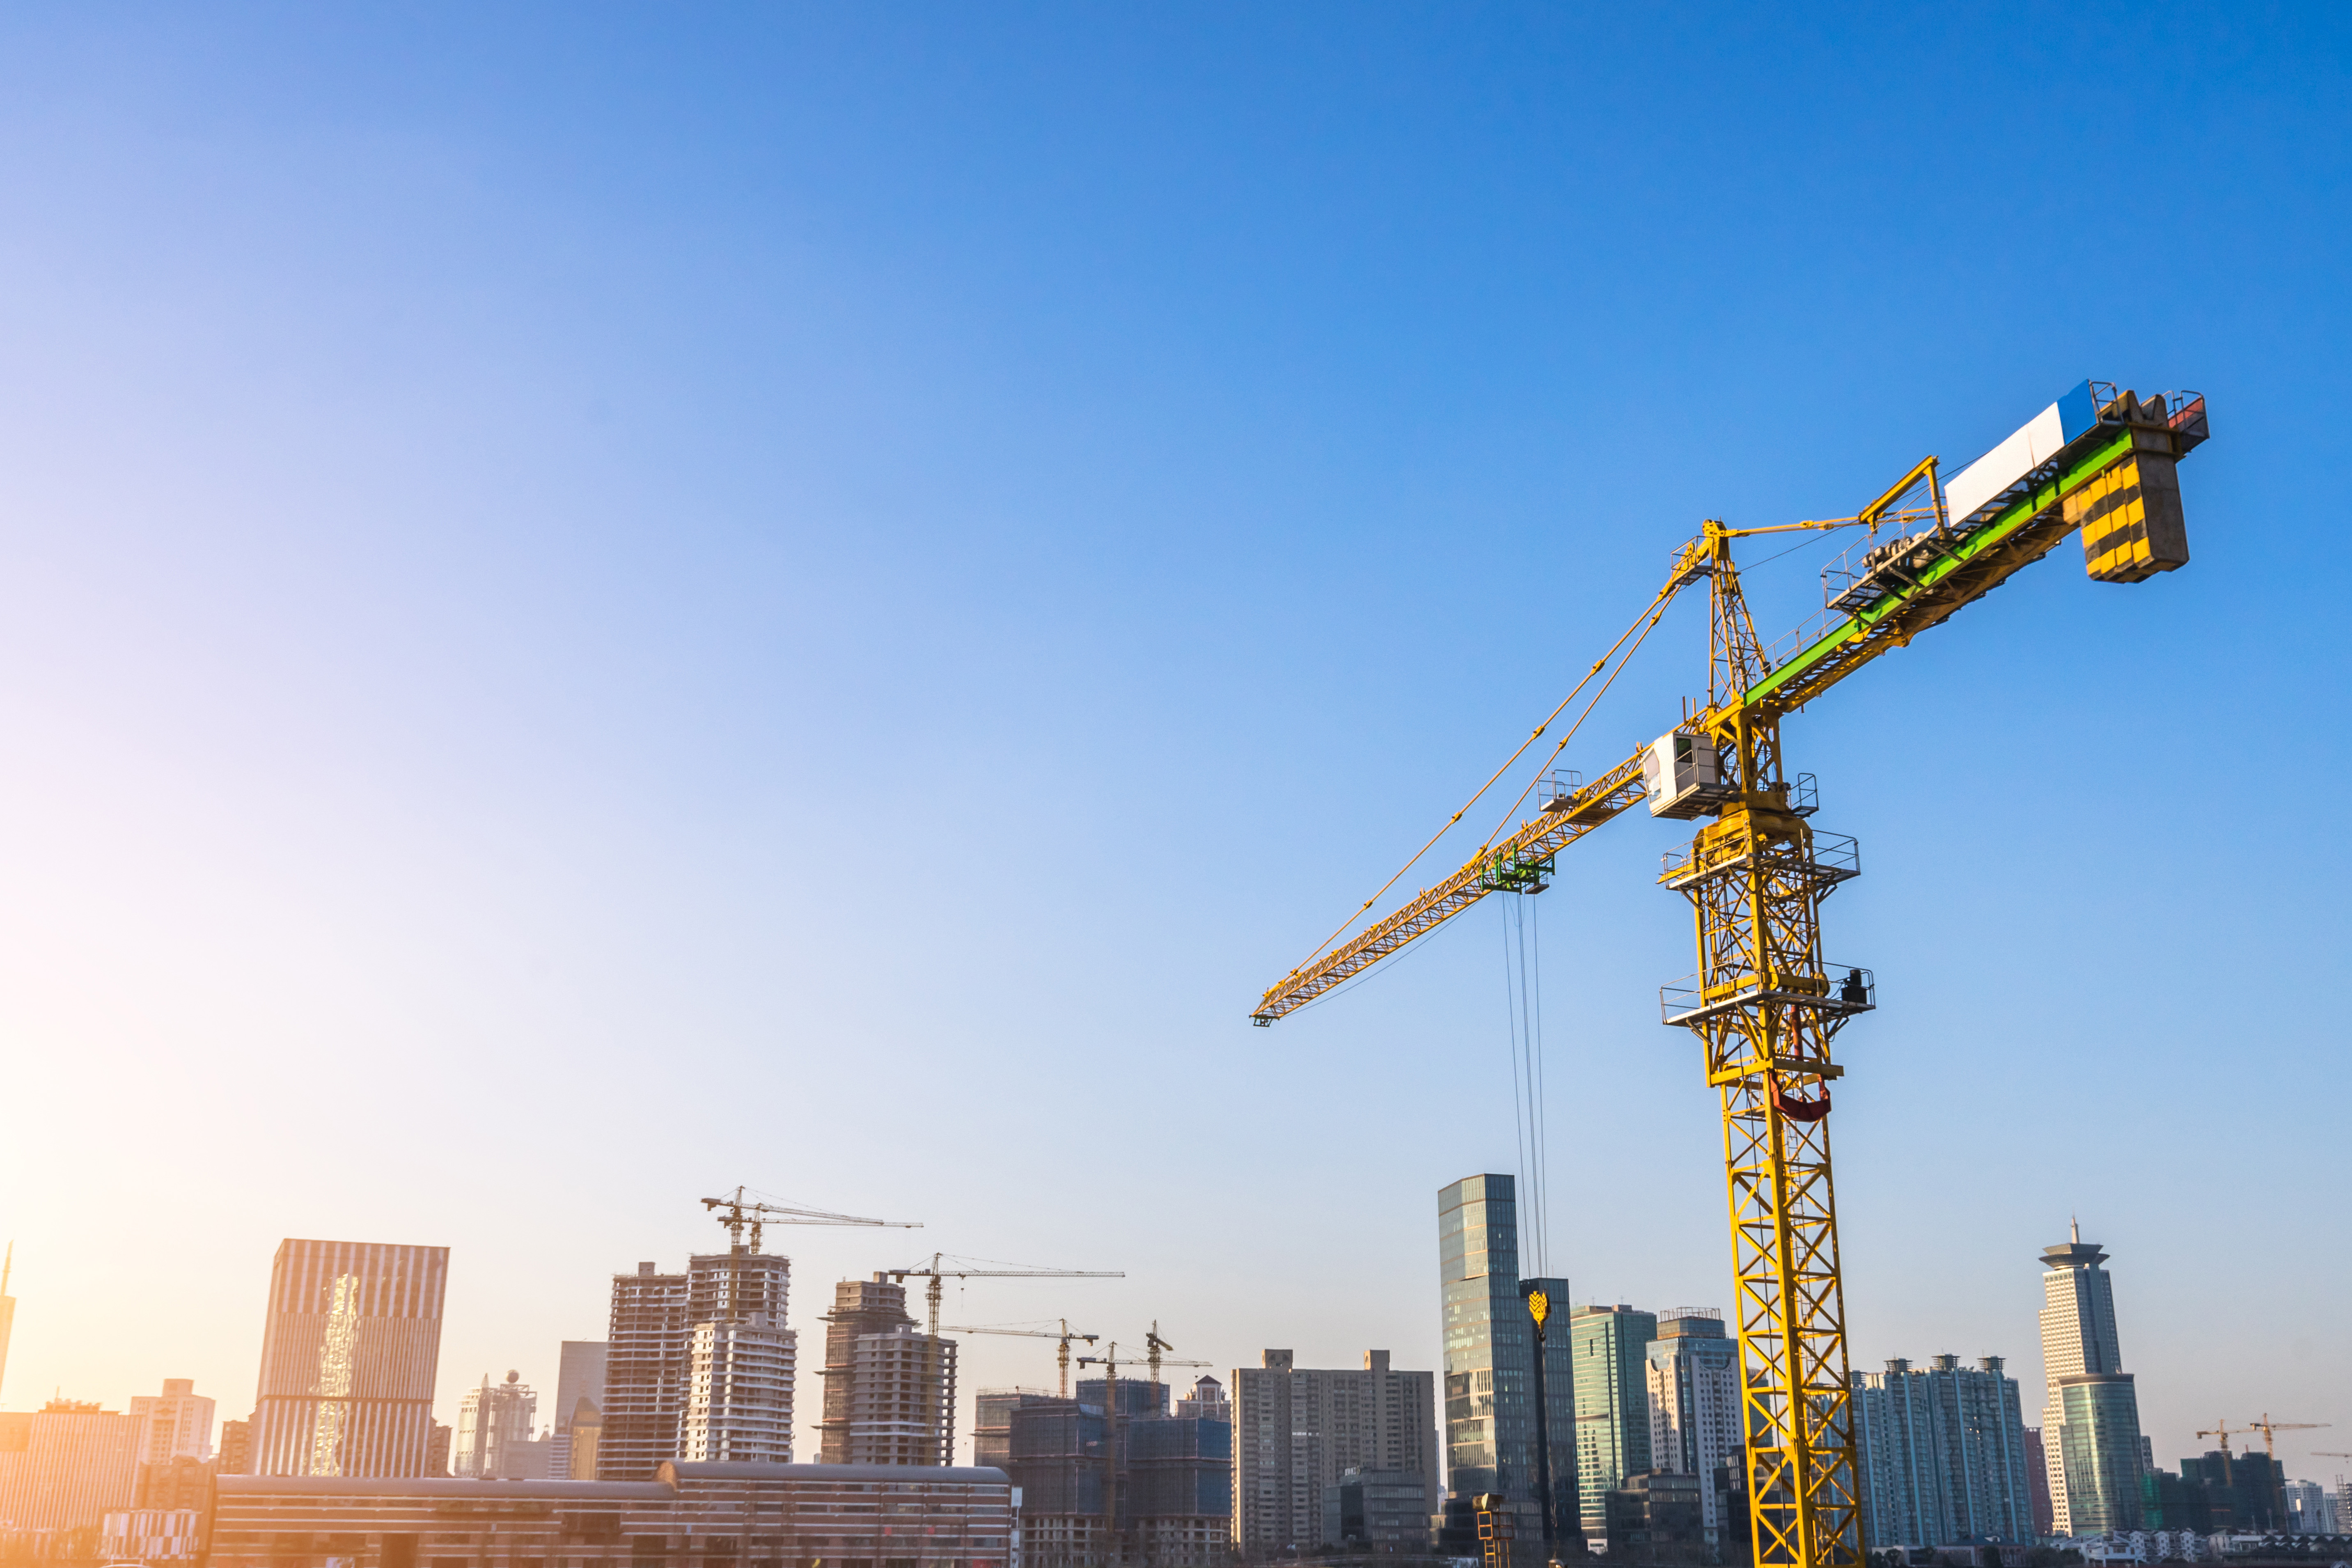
point(349, 1355)
point(2090, 1426)
point(1490, 1347)
point(1611, 1346)
point(174, 1425)
point(697, 1365)
point(1693, 1373)
point(890, 1390)
point(1297, 1430)
point(1943, 1454)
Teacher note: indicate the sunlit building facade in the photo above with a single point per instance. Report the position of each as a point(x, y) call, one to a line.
point(349, 1355)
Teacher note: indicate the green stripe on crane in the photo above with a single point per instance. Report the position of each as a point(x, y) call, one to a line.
point(1994, 532)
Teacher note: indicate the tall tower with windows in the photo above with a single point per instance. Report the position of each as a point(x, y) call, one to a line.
point(2090, 1426)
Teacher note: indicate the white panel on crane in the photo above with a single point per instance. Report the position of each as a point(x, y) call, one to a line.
point(2033, 445)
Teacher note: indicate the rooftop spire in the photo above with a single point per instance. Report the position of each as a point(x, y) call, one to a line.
point(2075, 1226)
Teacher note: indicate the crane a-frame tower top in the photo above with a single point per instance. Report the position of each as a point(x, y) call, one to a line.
point(1764, 1002)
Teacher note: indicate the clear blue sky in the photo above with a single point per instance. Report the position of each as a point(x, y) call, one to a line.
point(601, 602)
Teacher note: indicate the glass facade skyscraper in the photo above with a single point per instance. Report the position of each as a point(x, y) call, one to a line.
point(2090, 1428)
point(1489, 1340)
point(1611, 1350)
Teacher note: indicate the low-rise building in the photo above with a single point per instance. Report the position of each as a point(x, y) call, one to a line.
point(692, 1516)
point(153, 1535)
point(66, 1466)
point(1379, 1510)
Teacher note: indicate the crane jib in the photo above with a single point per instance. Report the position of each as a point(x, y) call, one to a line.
point(2072, 477)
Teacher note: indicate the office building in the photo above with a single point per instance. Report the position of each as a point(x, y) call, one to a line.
point(2309, 1510)
point(174, 1425)
point(578, 1374)
point(1942, 1454)
point(2090, 1426)
point(583, 1439)
point(1296, 1430)
point(349, 1355)
point(890, 1390)
point(436, 1453)
point(1379, 1512)
point(1489, 1348)
point(754, 1516)
point(1612, 1351)
point(173, 1485)
point(495, 1425)
point(698, 1363)
point(65, 1466)
point(1693, 1377)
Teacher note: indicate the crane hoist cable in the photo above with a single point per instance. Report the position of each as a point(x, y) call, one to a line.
point(1657, 605)
point(1523, 1001)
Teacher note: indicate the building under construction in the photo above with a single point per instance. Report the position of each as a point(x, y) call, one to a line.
point(1172, 1475)
point(889, 1389)
point(699, 1367)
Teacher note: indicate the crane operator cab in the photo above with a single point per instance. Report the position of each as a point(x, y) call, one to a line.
point(1682, 774)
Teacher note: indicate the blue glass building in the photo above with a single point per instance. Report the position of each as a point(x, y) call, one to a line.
point(1489, 1370)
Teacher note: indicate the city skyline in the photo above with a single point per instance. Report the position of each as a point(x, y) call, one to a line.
point(501, 540)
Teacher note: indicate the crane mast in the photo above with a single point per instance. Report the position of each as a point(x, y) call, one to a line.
point(1766, 1003)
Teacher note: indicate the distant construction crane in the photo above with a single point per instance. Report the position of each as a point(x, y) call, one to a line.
point(942, 1267)
point(1766, 1002)
point(1157, 1358)
point(2266, 1426)
point(739, 1211)
point(2229, 1463)
point(1066, 1336)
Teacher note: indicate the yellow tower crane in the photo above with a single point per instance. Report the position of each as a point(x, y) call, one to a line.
point(1066, 1336)
point(2266, 1426)
point(1765, 1003)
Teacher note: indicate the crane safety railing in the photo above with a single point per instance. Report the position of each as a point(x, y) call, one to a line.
point(1838, 992)
point(1835, 858)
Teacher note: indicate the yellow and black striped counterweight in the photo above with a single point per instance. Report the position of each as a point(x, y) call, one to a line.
point(2130, 516)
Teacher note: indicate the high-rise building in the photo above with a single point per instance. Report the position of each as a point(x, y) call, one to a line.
point(1175, 1474)
point(889, 1391)
point(2037, 1484)
point(66, 1465)
point(174, 1425)
point(1489, 1348)
point(1611, 1347)
point(1296, 1430)
point(349, 1356)
point(578, 1374)
point(2090, 1426)
point(1942, 1454)
point(1694, 1392)
point(697, 1364)
point(647, 1343)
point(494, 1422)
point(2309, 1510)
